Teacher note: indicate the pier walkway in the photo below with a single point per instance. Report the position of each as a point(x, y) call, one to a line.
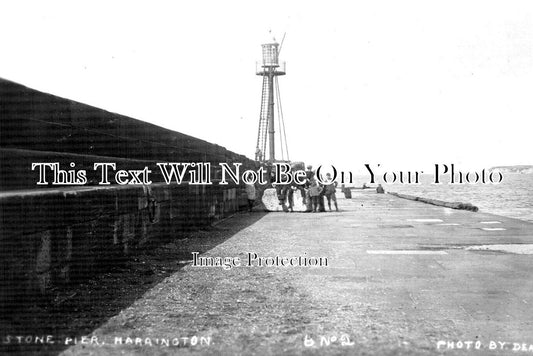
point(403, 277)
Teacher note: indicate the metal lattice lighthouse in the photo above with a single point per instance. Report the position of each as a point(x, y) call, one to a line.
point(270, 68)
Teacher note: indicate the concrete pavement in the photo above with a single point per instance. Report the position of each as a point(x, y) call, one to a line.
point(403, 278)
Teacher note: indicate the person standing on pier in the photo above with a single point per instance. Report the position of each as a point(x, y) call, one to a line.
point(314, 192)
point(322, 199)
point(250, 193)
point(288, 194)
point(330, 192)
point(309, 175)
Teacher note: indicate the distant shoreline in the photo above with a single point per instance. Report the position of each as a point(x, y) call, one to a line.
point(519, 169)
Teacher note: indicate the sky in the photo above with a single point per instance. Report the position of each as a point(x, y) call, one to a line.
point(403, 84)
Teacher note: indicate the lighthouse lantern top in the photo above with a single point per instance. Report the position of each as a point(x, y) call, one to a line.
point(270, 54)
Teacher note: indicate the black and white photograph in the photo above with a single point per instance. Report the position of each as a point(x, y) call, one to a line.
point(266, 177)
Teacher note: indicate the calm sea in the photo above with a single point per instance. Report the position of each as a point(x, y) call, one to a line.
point(513, 197)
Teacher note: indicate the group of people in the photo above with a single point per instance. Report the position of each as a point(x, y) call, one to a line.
point(313, 193)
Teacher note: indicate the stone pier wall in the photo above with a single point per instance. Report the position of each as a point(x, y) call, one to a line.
point(51, 236)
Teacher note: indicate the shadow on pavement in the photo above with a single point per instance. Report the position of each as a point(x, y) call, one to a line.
point(77, 310)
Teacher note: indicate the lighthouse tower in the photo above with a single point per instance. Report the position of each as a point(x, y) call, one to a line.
point(269, 68)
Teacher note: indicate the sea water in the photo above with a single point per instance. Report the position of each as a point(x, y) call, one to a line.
point(513, 197)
